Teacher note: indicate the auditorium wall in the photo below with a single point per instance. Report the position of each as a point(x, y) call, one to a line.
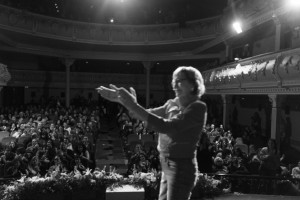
point(44, 83)
point(295, 116)
point(263, 46)
point(288, 107)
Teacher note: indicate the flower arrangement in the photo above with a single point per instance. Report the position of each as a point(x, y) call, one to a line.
point(61, 183)
point(149, 181)
point(95, 183)
point(207, 186)
point(140, 179)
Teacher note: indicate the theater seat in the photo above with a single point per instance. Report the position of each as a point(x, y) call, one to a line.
point(23, 141)
point(132, 138)
point(3, 134)
point(7, 140)
point(147, 138)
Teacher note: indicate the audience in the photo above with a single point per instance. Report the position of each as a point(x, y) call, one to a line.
point(296, 171)
point(42, 139)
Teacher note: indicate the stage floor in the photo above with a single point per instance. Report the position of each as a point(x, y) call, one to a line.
point(254, 197)
point(129, 193)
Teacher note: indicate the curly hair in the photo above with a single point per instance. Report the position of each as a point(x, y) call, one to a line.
point(194, 76)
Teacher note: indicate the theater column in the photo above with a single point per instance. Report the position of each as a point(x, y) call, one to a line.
point(273, 98)
point(277, 33)
point(226, 100)
point(147, 65)
point(68, 63)
point(1, 96)
point(228, 51)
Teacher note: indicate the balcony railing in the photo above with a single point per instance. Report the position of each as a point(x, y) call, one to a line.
point(68, 30)
point(279, 71)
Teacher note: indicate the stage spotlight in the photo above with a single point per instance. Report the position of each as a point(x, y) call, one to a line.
point(112, 20)
point(293, 4)
point(237, 27)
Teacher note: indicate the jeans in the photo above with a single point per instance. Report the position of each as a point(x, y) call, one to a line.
point(179, 177)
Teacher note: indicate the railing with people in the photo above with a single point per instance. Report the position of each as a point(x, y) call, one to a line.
point(257, 184)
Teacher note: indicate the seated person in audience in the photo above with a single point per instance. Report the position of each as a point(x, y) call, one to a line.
point(296, 171)
point(270, 160)
point(227, 157)
point(57, 166)
point(143, 164)
point(52, 131)
point(43, 138)
point(237, 152)
point(223, 144)
point(218, 166)
point(137, 151)
point(7, 155)
point(230, 138)
point(33, 145)
point(204, 155)
point(237, 167)
point(285, 173)
point(214, 131)
point(20, 131)
point(78, 165)
point(83, 154)
point(153, 157)
point(12, 129)
point(42, 161)
point(246, 135)
point(25, 160)
point(140, 129)
point(66, 156)
point(127, 127)
point(90, 148)
point(68, 143)
point(50, 152)
point(135, 158)
point(221, 130)
point(253, 165)
point(13, 146)
point(12, 168)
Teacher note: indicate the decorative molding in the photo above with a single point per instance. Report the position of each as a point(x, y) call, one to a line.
point(236, 91)
point(270, 73)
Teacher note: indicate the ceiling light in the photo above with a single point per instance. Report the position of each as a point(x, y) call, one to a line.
point(237, 27)
point(293, 4)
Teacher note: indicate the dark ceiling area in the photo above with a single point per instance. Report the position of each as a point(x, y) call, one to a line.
point(123, 11)
point(135, 12)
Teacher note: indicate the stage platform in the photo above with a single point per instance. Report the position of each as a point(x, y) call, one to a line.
point(130, 193)
point(126, 192)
